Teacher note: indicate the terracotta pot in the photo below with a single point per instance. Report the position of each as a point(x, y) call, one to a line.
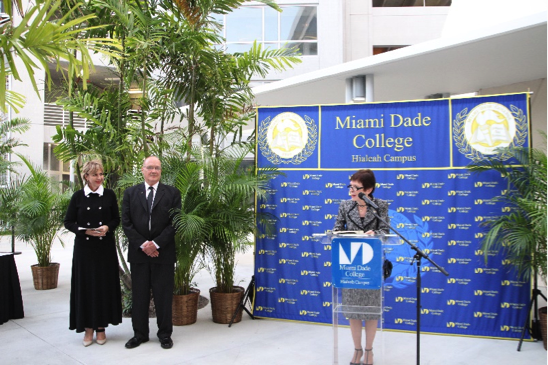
point(45, 277)
point(223, 305)
point(542, 316)
point(185, 308)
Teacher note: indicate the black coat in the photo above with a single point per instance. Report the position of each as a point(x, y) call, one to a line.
point(95, 296)
point(135, 222)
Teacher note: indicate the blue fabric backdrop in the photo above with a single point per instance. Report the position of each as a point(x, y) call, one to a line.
point(419, 151)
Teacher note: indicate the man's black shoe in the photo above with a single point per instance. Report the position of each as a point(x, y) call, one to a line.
point(135, 342)
point(166, 343)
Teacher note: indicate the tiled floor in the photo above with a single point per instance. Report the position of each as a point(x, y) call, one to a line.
point(42, 337)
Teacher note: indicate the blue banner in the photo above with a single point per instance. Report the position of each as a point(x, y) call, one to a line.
point(356, 263)
point(419, 151)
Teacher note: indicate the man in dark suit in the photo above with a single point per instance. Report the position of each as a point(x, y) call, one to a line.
point(147, 223)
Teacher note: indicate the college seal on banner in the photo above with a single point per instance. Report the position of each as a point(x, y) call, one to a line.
point(287, 138)
point(488, 128)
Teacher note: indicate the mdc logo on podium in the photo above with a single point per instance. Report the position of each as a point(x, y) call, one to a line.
point(357, 262)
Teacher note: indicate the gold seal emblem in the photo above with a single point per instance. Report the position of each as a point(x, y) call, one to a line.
point(287, 135)
point(488, 129)
point(489, 126)
point(287, 138)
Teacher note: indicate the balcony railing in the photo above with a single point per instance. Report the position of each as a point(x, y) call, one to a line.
point(54, 115)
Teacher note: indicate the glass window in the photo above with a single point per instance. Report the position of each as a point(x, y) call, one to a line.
point(238, 47)
point(298, 23)
point(305, 49)
point(50, 162)
point(244, 24)
point(271, 30)
point(384, 49)
point(437, 2)
point(403, 3)
point(45, 158)
point(53, 161)
point(220, 20)
point(271, 45)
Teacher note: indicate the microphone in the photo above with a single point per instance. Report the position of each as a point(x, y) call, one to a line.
point(367, 201)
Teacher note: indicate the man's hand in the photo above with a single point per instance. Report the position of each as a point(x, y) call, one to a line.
point(150, 249)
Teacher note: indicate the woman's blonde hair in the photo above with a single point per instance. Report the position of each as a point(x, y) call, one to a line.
point(91, 167)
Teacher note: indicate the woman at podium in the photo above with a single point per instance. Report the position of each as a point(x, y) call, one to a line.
point(356, 215)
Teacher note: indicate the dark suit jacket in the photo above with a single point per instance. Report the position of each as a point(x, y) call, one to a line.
point(135, 222)
point(348, 218)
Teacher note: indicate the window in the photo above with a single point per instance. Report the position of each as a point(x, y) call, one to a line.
point(402, 3)
point(57, 170)
point(296, 27)
point(383, 49)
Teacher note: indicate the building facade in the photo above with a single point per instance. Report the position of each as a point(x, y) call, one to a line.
point(326, 33)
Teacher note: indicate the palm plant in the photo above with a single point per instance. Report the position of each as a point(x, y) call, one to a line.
point(10, 195)
point(191, 222)
point(41, 210)
point(213, 84)
point(8, 142)
point(42, 37)
point(229, 190)
point(521, 234)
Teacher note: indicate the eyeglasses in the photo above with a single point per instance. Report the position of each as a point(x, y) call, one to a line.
point(150, 168)
point(354, 188)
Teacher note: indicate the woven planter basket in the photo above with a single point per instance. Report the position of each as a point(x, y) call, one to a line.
point(185, 308)
point(223, 305)
point(542, 316)
point(45, 277)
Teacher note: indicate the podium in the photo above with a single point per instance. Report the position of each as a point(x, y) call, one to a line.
point(357, 264)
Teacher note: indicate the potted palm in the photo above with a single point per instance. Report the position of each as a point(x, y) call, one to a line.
point(521, 234)
point(41, 210)
point(229, 190)
point(191, 226)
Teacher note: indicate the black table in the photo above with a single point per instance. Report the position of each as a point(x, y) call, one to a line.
point(11, 302)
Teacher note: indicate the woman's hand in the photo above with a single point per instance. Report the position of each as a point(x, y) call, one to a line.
point(98, 232)
point(370, 233)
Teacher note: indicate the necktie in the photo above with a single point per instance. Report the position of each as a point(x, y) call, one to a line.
point(150, 198)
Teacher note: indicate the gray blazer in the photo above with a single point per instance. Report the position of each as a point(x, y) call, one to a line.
point(349, 219)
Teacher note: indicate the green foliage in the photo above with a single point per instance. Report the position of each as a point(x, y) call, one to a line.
point(169, 54)
point(213, 84)
point(118, 147)
point(10, 196)
point(190, 222)
point(521, 234)
point(218, 214)
point(41, 210)
point(127, 302)
point(8, 142)
point(41, 37)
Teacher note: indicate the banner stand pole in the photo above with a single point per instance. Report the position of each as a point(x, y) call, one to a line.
point(248, 295)
point(535, 325)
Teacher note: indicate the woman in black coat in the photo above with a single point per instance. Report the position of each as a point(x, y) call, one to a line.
point(95, 297)
point(355, 215)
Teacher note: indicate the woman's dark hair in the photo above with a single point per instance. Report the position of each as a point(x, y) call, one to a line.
point(366, 177)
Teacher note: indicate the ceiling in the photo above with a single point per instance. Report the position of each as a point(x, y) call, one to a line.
point(496, 56)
